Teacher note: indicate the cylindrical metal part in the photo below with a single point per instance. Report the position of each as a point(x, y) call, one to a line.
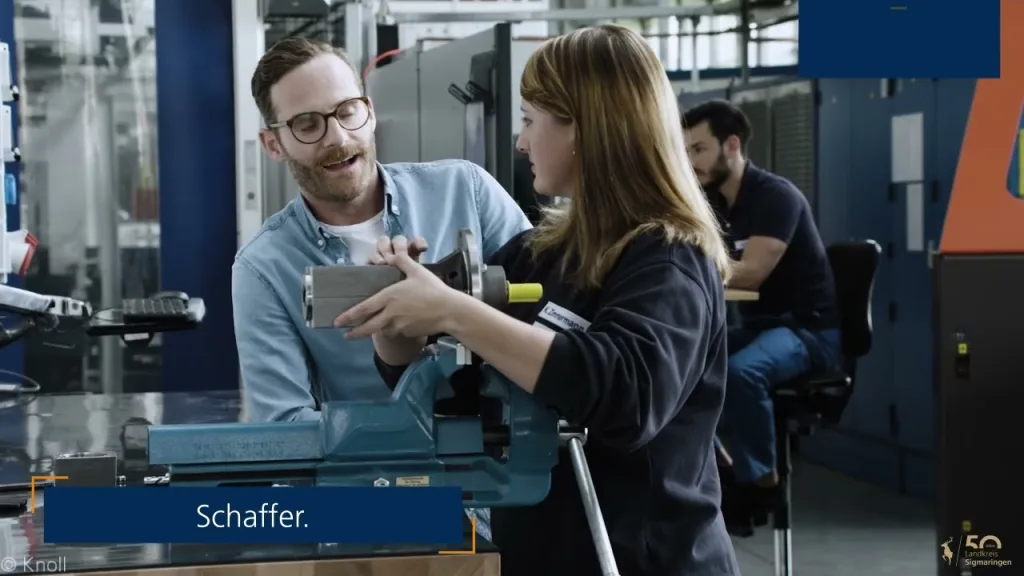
point(329, 291)
point(783, 553)
point(495, 287)
point(592, 507)
point(497, 436)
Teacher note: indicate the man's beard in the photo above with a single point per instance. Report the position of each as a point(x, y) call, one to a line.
point(316, 181)
point(717, 174)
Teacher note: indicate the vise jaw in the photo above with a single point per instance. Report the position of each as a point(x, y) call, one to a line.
point(500, 457)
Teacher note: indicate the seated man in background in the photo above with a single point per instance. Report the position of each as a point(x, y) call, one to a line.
point(320, 123)
point(793, 328)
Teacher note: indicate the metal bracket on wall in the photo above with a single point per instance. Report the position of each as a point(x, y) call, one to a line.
point(478, 88)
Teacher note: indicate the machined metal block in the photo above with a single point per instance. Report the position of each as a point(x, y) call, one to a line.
point(87, 469)
point(328, 291)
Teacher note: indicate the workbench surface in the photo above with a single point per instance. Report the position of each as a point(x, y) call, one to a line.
point(33, 434)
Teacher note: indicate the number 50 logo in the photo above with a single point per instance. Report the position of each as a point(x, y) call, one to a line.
point(983, 543)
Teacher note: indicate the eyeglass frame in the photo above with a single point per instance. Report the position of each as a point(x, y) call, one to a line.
point(327, 117)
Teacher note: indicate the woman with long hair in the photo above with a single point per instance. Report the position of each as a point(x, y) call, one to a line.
point(630, 338)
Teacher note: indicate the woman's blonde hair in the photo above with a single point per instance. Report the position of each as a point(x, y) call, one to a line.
point(632, 171)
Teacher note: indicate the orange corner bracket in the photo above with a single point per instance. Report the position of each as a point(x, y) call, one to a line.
point(471, 551)
point(983, 216)
point(32, 489)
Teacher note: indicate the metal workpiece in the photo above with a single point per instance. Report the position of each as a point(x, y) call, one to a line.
point(86, 469)
point(328, 291)
point(494, 288)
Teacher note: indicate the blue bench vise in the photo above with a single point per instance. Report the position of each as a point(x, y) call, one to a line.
point(492, 439)
point(401, 441)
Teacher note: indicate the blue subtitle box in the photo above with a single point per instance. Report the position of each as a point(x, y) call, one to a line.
point(242, 515)
point(899, 39)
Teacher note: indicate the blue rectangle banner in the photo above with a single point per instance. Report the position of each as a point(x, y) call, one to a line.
point(899, 39)
point(243, 515)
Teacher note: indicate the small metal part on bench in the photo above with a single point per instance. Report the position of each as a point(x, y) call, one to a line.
point(87, 469)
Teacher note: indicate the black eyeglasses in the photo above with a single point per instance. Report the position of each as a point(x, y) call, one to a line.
point(310, 127)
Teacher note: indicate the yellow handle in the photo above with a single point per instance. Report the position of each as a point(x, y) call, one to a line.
point(524, 293)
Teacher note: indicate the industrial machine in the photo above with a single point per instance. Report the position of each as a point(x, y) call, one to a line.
point(979, 270)
point(17, 248)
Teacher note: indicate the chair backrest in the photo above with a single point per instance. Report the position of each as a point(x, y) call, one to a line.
point(854, 265)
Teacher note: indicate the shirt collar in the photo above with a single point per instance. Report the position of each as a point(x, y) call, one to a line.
point(749, 169)
point(392, 203)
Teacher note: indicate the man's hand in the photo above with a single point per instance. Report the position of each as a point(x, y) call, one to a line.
point(392, 347)
point(388, 248)
point(416, 307)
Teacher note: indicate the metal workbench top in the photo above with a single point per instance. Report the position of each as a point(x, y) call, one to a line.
point(36, 432)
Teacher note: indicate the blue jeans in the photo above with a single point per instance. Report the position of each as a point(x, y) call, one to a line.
point(760, 360)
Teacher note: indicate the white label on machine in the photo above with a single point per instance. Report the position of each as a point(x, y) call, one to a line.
point(915, 217)
point(5, 71)
point(7, 129)
point(251, 184)
point(908, 148)
point(412, 481)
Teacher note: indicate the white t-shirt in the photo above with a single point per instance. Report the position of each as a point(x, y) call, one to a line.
point(361, 238)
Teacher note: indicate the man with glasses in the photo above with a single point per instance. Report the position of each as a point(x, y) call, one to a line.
point(319, 123)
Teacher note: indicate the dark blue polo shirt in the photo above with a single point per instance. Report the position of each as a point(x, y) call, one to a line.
point(641, 363)
point(801, 285)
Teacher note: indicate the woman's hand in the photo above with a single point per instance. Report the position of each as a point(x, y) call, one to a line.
point(414, 308)
point(392, 348)
point(390, 247)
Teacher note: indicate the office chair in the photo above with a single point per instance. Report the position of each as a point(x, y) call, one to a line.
point(819, 400)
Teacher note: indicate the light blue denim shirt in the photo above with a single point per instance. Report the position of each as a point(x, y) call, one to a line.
point(284, 364)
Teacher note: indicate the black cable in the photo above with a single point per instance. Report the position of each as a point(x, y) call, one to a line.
point(12, 335)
